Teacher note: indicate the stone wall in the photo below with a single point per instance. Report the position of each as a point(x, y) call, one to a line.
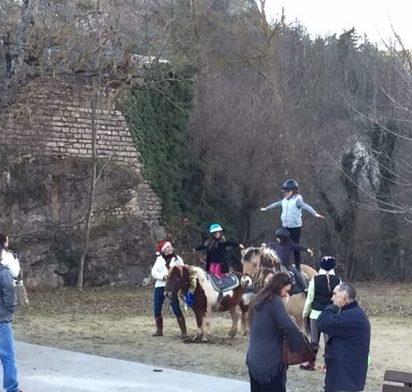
point(45, 159)
point(55, 118)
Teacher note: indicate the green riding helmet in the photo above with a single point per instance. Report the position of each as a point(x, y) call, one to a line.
point(214, 227)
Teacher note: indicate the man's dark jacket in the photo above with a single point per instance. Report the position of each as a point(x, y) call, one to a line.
point(347, 350)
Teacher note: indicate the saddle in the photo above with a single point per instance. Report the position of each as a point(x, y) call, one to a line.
point(224, 283)
point(299, 284)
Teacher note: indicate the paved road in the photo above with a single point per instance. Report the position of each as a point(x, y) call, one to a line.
point(44, 369)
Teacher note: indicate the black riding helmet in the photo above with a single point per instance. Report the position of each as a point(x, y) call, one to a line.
point(282, 233)
point(290, 185)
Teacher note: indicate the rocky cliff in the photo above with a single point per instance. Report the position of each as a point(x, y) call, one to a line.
point(45, 176)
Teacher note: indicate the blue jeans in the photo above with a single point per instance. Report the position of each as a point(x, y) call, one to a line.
point(158, 300)
point(10, 383)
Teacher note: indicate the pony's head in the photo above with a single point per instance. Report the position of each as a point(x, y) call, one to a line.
point(178, 279)
point(259, 262)
point(255, 259)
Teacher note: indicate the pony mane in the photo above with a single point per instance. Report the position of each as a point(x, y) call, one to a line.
point(268, 256)
point(197, 273)
point(197, 270)
point(249, 253)
point(268, 263)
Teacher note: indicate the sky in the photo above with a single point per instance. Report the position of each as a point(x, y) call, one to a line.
point(373, 17)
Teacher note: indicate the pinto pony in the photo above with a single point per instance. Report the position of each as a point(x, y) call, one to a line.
point(206, 298)
point(261, 263)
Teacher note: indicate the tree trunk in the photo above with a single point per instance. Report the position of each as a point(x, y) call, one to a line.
point(345, 224)
point(96, 85)
point(92, 194)
point(19, 51)
point(246, 224)
point(383, 149)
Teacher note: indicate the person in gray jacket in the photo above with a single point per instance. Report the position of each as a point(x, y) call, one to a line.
point(8, 304)
point(291, 217)
point(268, 324)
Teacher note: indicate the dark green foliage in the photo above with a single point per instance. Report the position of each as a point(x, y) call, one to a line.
point(157, 114)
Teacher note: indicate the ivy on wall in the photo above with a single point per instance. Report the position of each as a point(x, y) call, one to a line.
point(157, 114)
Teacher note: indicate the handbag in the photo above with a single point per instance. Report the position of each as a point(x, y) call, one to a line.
point(305, 354)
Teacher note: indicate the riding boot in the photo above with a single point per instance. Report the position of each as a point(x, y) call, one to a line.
point(300, 280)
point(159, 326)
point(182, 325)
point(306, 323)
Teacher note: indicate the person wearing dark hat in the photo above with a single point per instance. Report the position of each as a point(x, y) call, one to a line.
point(292, 205)
point(166, 259)
point(284, 247)
point(318, 297)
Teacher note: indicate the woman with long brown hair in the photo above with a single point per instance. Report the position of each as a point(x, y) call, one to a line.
point(269, 323)
point(215, 247)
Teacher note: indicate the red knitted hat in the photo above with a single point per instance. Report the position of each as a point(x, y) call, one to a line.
point(162, 245)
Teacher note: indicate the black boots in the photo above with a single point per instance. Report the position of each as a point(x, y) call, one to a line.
point(182, 325)
point(159, 326)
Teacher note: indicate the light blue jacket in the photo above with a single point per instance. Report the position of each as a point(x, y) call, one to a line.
point(291, 215)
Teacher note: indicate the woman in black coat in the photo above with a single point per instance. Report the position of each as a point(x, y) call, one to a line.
point(268, 323)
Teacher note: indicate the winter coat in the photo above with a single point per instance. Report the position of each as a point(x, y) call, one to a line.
point(217, 254)
point(318, 295)
point(11, 262)
point(284, 250)
point(8, 299)
point(161, 268)
point(270, 322)
point(347, 350)
point(291, 216)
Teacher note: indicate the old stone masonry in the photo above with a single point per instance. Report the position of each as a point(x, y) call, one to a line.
point(46, 160)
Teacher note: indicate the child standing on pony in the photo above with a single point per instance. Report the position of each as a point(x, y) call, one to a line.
point(215, 247)
point(165, 260)
point(291, 216)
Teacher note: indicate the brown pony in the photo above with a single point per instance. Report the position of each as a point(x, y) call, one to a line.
point(261, 263)
point(206, 299)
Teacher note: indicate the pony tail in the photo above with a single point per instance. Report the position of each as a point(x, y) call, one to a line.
point(328, 279)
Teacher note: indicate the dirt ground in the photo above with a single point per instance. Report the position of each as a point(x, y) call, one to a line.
point(117, 322)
